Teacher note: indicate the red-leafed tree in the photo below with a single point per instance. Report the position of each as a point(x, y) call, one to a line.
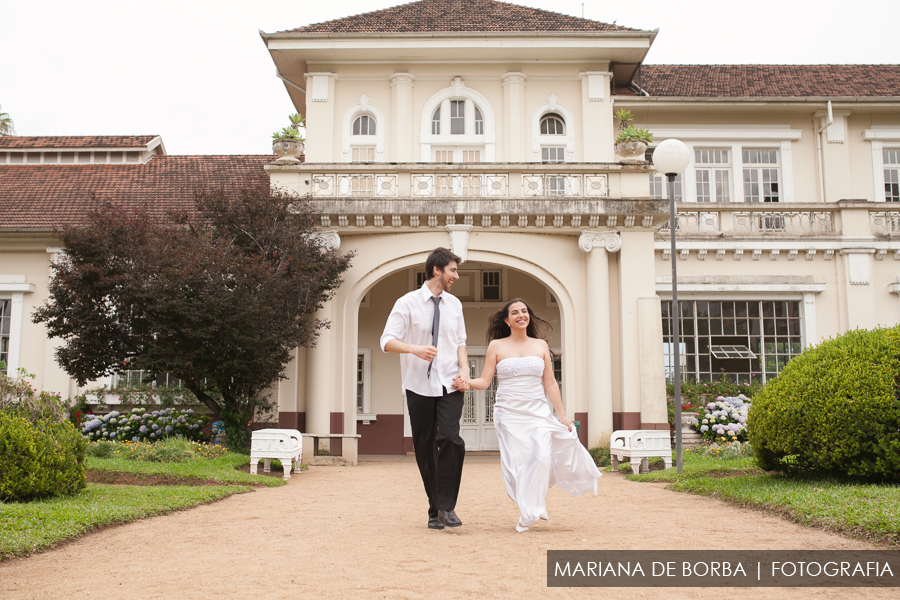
point(218, 296)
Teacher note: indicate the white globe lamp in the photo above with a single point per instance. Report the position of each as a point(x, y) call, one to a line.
point(671, 157)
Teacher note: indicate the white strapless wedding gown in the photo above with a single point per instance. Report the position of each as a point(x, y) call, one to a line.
point(536, 450)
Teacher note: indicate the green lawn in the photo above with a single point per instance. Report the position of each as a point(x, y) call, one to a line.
point(865, 511)
point(221, 469)
point(29, 526)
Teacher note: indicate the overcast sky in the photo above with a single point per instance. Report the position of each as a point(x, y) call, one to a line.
point(197, 72)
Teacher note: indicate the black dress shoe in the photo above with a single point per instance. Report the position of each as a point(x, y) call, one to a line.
point(435, 523)
point(449, 518)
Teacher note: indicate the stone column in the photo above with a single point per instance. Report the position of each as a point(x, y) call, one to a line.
point(514, 117)
point(597, 245)
point(320, 375)
point(322, 369)
point(401, 117)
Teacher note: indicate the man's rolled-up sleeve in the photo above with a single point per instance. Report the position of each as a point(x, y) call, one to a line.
point(461, 331)
point(396, 326)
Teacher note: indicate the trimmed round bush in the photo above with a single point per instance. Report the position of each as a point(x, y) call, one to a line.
point(834, 409)
point(40, 459)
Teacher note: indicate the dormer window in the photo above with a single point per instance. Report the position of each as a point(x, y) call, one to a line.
point(364, 125)
point(553, 124)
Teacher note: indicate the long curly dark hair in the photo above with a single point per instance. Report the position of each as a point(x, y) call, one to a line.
point(498, 329)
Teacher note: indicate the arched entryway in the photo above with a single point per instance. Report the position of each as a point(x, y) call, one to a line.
point(484, 287)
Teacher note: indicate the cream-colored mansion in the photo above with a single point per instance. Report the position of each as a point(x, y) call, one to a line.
point(488, 128)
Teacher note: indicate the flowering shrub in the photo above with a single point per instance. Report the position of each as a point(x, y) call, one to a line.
point(725, 419)
point(170, 450)
point(18, 395)
point(139, 425)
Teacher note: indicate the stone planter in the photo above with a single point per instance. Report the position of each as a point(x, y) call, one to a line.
point(631, 151)
point(689, 437)
point(288, 150)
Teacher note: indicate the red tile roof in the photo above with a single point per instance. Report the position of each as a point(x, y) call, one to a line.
point(76, 141)
point(47, 196)
point(773, 81)
point(458, 16)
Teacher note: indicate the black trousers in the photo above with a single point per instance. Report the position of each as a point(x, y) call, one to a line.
point(439, 449)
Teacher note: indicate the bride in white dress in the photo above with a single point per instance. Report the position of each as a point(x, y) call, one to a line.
point(537, 450)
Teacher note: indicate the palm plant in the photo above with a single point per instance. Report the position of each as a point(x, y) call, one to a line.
point(6, 124)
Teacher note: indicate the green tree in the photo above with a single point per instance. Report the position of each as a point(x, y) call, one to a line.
point(6, 124)
point(219, 296)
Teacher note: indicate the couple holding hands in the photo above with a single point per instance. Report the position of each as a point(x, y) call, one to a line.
point(537, 450)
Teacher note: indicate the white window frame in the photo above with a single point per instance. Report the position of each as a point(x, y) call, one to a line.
point(363, 107)
point(891, 166)
point(712, 170)
point(736, 139)
point(553, 105)
point(14, 288)
point(558, 151)
point(882, 137)
point(354, 150)
point(758, 168)
point(366, 414)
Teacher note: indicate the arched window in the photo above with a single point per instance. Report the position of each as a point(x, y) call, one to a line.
point(364, 125)
point(457, 125)
point(553, 124)
point(436, 122)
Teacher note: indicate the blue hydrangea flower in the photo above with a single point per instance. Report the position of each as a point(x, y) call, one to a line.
point(168, 429)
point(143, 429)
point(155, 426)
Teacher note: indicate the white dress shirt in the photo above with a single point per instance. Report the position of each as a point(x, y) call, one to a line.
point(410, 322)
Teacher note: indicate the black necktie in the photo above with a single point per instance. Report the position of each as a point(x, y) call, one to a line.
point(435, 327)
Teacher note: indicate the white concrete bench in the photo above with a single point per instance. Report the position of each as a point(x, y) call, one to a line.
point(639, 445)
point(348, 454)
point(285, 445)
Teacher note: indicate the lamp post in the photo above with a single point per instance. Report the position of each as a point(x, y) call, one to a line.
point(671, 158)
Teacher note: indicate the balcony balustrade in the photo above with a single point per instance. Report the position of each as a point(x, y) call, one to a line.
point(456, 185)
point(885, 222)
point(752, 219)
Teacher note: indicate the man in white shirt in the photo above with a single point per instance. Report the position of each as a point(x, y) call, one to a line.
point(426, 327)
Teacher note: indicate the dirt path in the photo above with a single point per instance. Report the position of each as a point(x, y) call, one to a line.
point(359, 532)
